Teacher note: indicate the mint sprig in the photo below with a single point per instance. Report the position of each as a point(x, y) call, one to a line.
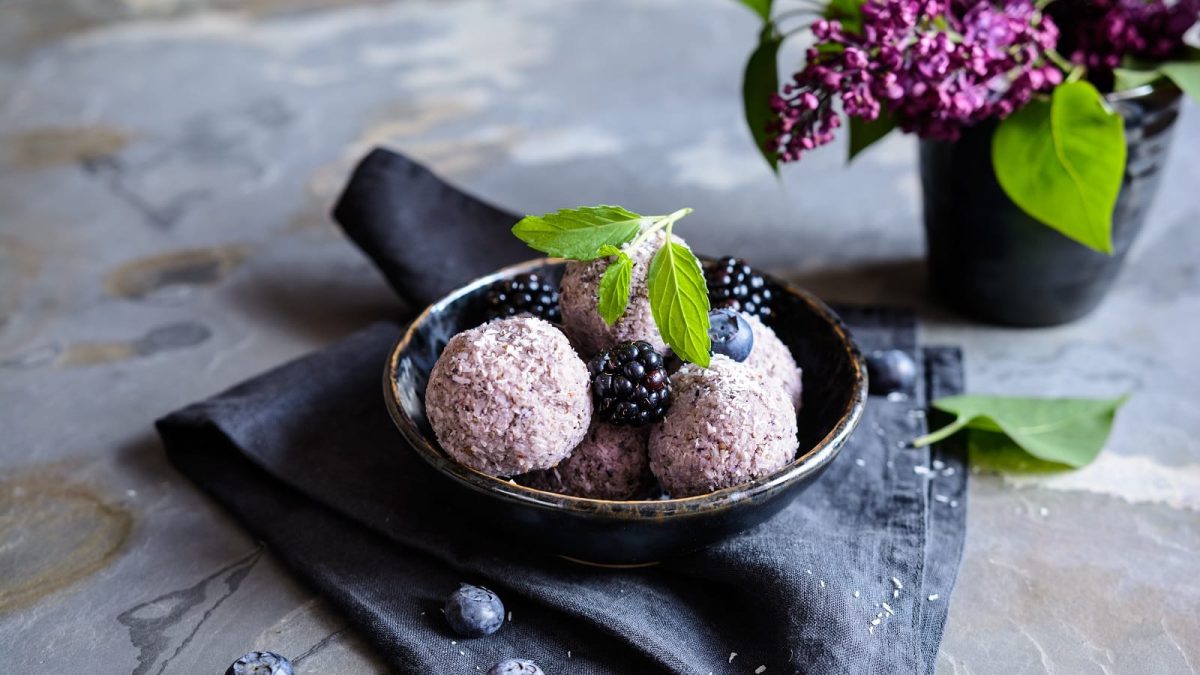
point(675, 280)
point(579, 234)
point(679, 302)
point(615, 285)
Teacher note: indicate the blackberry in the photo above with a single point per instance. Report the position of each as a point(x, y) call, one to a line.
point(523, 294)
point(630, 384)
point(733, 284)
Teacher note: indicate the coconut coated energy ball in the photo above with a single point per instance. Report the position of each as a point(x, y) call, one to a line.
point(508, 397)
point(579, 292)
point(773, 361)
point(725, 428)
point(610, 463)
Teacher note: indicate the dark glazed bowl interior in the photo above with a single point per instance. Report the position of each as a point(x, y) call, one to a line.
point(636, 532)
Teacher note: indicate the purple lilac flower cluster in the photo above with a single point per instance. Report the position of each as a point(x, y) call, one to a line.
point(937, 65)
point(1098, 34)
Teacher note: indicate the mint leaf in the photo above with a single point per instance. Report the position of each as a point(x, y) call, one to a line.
point(759, 82)
point(760, 7)
point(679, 301)
point(1185, 75)
point(615, 285)
point(864, 133)
point(1063, 161)
point(579, 234)
point(1069, 431)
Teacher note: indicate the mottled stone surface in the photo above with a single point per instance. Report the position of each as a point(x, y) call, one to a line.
point(165, 170)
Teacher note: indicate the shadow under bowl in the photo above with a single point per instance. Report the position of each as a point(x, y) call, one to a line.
point(631, 533)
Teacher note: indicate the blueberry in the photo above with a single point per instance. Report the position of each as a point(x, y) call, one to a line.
point(891, 371)
point(731, 334)
point(515, 667)
point(474, 611)
point(260, 663)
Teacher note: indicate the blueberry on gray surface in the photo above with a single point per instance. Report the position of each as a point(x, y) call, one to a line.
point(733, 284)
point(730, 333)
point(260, 663)
point(891, 371)
point(515, 667)
point(474, 611)
point(630, 384)
point(523, 294)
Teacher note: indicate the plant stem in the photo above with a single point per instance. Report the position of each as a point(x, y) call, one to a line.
point(941, 434)
point(659, 223)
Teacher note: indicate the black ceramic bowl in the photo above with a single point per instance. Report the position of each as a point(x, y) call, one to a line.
point(636, 532)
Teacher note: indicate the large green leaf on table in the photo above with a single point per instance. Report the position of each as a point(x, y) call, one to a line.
point(1069, 431)
point(615, 285)
point(864, 133)
point(579, 234)
point(679, 302)
point(760, 7)
point(846, 12)
point(1063, 160)
point(759, 83)
point(1185, 75)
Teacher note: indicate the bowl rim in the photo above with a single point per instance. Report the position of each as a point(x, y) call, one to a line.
point(809, 463)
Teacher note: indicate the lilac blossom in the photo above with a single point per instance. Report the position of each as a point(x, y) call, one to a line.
point(1099, 34)
point(937, 66)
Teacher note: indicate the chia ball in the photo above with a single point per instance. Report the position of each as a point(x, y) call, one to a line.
point(726, 428)
point(610, 463)
point(509, 397)
point(773, 361)
point(579, 292)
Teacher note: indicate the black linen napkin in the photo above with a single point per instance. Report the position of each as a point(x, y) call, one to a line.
point(308, 460)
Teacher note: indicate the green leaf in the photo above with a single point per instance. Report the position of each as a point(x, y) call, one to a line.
point(1069, 431)
point(579, 234)
point(759, 82)
point(615, 285)
point(1185, 75)
point(1125, 79)
point(1063, 161)
point(760, 7)
point(846, 12)
point(679, 301)
point(864, 133)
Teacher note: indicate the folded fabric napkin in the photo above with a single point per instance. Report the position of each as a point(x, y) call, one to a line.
point(854, 576)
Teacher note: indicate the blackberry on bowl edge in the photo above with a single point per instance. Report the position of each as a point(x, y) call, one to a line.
point(630, 385)
point(526, 293)
point(733, 284)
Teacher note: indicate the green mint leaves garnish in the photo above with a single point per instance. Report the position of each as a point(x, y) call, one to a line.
point(1064, 431)
point(679, 302)
point(579, 234)
point(675, 280)
point(615, 285)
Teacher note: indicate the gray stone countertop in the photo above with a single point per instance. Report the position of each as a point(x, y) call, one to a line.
point(165, 172)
